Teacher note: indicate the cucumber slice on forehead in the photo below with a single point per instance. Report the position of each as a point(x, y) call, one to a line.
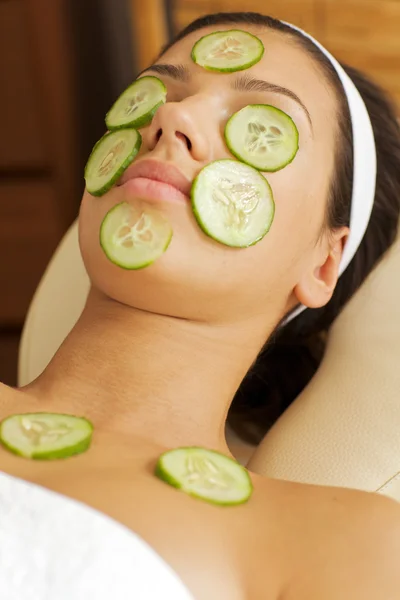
point(112, 154)
point(46, 436)
point(262, 136)
point(233, 203)
point(228, 51)
point(205, 474)
point(133, 237)
point(137, 105)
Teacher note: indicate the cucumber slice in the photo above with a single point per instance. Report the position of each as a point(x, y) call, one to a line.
point(133, 237)
point(262, 136)
point(112, 154)
point(228, 51)
point(137, 104)
point(45, 436)
point(205, 474)
point(233, 203)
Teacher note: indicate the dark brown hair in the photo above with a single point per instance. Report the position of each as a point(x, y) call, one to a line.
point(297, 348)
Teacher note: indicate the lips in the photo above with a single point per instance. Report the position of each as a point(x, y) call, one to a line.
point(157, 171)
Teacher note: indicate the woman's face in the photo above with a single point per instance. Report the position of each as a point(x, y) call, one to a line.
point(198, 278)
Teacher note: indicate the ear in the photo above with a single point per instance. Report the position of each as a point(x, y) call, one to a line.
point(317, 285)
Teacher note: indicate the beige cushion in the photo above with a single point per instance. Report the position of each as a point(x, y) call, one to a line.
point(344, 429)
point(55, 308)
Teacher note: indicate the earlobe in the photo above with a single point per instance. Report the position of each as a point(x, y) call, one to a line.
point(318, 284)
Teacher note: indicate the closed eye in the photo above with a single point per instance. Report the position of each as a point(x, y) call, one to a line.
point(243, 83)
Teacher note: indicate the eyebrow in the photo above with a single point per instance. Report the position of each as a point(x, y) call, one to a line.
point(177, 72)
point(243, 83)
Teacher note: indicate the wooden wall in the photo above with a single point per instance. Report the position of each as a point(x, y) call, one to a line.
point(36, 156)
point(366, 34)
point(35, 161)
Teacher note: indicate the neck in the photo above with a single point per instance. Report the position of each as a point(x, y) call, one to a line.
point(165, 379)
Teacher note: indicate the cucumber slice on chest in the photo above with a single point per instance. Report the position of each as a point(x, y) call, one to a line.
point(228, 51)
point(137, 105)
point(112, 154)
point(133, 237)
point(205, 474)
point(46, 436)
point(233, 203)
point(262, 136)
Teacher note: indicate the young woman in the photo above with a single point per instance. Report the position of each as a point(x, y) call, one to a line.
point(159, 353)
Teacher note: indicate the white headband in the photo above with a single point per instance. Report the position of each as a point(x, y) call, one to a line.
point(364, 171)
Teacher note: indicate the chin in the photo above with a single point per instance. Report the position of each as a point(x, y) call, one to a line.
point(195, 279)
point(158, 288)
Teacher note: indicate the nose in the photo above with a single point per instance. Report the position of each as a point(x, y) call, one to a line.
point(178, 127)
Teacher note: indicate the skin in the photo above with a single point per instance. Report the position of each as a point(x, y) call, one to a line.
point(158, 354)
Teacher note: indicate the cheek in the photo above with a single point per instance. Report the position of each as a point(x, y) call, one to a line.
point(300, 192)
point(184, 282)
point(199, 278)
point(196, 278)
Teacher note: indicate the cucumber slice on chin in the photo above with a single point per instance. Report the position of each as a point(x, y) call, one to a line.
point(137, 105)
point(205, 474)
point(228, 51)
point(232, 203)
point(134, 236)
point(263, 137)
point(110, 157)
point(45, 436)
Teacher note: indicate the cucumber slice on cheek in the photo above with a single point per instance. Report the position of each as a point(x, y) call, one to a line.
point(262, 136)
point(110, 157)
point(45, 436)
point(205, 474)
point(137, 104)
point(228, 51)
point(133, 237)
point(233, 203)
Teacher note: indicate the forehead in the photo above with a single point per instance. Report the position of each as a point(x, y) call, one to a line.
point(284, 63)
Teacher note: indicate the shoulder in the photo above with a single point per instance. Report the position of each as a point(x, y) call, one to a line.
point(377, 514)
point(350, 540)
point(375, 547)
point(370, 519)
point(368, 549)
point(377, 520)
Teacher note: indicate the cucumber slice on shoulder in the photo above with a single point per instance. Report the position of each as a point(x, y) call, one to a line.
point(228, 51)
point(46, 436)
point(233, 203)
point(110, 157)
point(262, 136)
point(133, 237)
point(205, 474)
point(137, 105)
